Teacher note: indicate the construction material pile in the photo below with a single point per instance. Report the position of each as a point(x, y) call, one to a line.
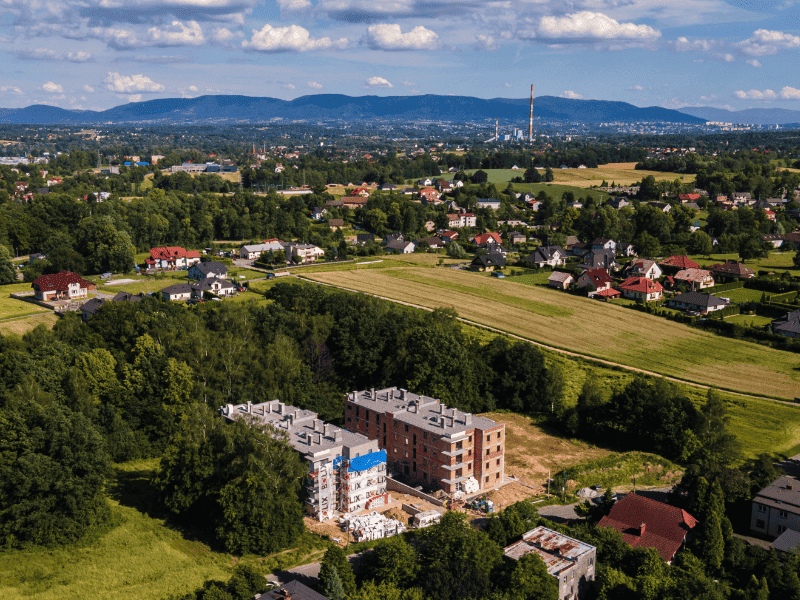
point(373, 526)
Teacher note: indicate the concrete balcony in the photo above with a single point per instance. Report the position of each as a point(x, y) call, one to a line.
point(452, 453)
point(455, 466)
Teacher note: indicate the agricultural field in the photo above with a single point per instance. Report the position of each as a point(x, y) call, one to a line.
point(776, 261)
point(618, 173)
point(23, 325)
point(532, 278)
point(11, 307)
point(589, 328)
point(140, 556)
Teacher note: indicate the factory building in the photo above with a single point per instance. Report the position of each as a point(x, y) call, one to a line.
point(346, 470)
point(427, 442)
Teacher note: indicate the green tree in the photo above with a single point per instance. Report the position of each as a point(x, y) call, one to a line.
point(53, 468)
point(479, 177)
point(7, 272)
point(454, 250)
point(752, 247)
point(796, 260)
point(239, 476)
point(530, 580)
point(394, 561)
point(335, 560)
point(700, 243)
point(246, 582)
point(332, 585)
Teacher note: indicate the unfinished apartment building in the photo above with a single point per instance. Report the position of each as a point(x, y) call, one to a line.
point(346, 470)
point(428, 442)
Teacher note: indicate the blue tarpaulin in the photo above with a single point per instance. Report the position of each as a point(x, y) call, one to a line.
point(362, 463)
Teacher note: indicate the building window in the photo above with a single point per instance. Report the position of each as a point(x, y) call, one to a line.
point(781, 528)
point(406, 426)
point(497, 475)
point(424, 435)
point(782, 514)
point(487, 479)
point(498, 435)
point(487, 465)
point(488, 438)
point(498, 462)
point(760, 523)
point(488, 452)
point(470, 439)
point(761, 508)
point(349, 419)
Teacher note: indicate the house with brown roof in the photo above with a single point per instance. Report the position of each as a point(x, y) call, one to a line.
point(641, 288)
point(353, 201)
point(673, 264)
point(560, 280)
point(734, 268)
point(643, 268)
point(697, 302)
point(63, 285)
point(171, 257)
point(793, 238)
point(595, 280)
point(696, 278)
point(684, 198)
point(335, 224)
point(570, 561)
point(646, 523)
point(484, 240)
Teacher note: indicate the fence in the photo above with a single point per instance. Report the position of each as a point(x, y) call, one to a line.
point(395, 486)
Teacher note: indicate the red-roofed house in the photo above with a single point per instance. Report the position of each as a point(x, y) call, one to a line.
point(646, 523)
point(486, 239)
point(770, 214)
point(461, 220)
point(689, 197)
point(732, 267)
point(360, 191)
point(61, 285)
point(595, 279)
point(171, 257)
point(641, 288)
point(429, 194)
point(679, 263)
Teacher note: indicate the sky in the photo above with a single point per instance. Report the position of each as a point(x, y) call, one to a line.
point(96, 54)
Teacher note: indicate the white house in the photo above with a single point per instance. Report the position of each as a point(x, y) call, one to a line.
point(179, 291)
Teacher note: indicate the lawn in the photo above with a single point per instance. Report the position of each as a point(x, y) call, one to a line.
point(23, 325)
point(590, 328)
point(140, 557)
point(532, 278)
point(741, 295)
point(11, 307)
point(776, 261)
point(749, 320)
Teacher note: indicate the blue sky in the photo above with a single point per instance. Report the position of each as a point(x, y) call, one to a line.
point(95, 54)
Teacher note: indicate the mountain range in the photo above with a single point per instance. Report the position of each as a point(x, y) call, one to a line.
point(247, 109)
point(750, 116)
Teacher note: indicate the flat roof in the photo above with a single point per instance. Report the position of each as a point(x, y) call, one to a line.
point(306, 433)
point(424, 412)
point(559, 552)
point(783, 492)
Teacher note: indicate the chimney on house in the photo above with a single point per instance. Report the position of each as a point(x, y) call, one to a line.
point(789, 486)
point(249, 406)
point(642, 528)
point(337, 436)
point(372, 394)
point(317, 425)
point(467, 418)
point(317, 439)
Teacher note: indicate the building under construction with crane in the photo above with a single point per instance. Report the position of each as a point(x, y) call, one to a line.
point(346, 470)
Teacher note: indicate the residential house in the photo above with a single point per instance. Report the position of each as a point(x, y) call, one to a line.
point(787, 542)
point(171, 257)
point(394, 237)
point(595, 280)
point(486, 240)
point(570, 561)
point(303, 253)
point(424, 182)
point(61, 286)
point(254, 251)
point(641, 288)
point(560, 280)
point(618, 202)
point(401, 247)
point(597, 259)
point(390, 187)
point(353, 201)
point(445, 186)
point(429, 195)
point(697, 302)
point(91, 306)
point(770, 214)
point(793, 238)
point(212, 285)
point(360, 191)
point(488, 262)
point(430, 226)
point(698, 279)
point(626, 249)
point(334, 204)
point(776, 508)
point(662, 206)
point(646, 523)
point(788, 326)
point(733, 268)
point(294, 590)
point(741, 198)
point(179, 291)
point(643, 268)
point(447, 236)
point(673, 264)
point(552, 256)
point(346, 470)
point(427, 441)
point(335, 224)
point(461, 220)
point(515, 237)
point(684, 198)
point(572, 240)
point(434, 243)
point(492, 203)
point(577, 204)
point(208, 269)
point(604, 244)
point(363, 238)
point(776, 239)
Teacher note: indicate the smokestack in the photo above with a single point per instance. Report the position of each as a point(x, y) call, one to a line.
point(530, 121)
point(496, 132)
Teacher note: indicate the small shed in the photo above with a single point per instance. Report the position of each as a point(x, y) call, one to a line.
point(560, 280)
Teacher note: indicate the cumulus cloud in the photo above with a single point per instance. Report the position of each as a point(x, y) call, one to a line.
point(223, 35)
point(289, 39)
point(11, 89)
point(53, 88)
point(765, 43)
point(637, 88)
point(47, 54)
point(786, 93)
point(127, 84)
point(572, 95)
point(384, 36)
point(176, 34)
point(591, 26)
point(294, 5)
point(754, 62)
point(88, 89)
point(135, 98)
point(377, 82)
point(315, 85)
point(485, 42)
point(683, 44)
point(408, 83)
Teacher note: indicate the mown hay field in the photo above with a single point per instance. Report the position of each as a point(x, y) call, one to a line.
point(619, 173)
point(11, 307)
point(587, 327)
point(23, 325)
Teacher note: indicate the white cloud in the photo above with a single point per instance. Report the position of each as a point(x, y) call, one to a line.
point(754, 62)
point(390, 37)
point(53, 88)
point(765, 42)
point(637, 88)
point(508, 85)
point(126, 84)
point(177, 34)
point(755, 95)
point(592, 26)
point(294, 4)
point(87, 88)
point(727, 57)
point(315, 85)
point(11, 89)
point(135, 98)
point(408, 83)
point(48, 54)
point(485, 42)
point(223, 34)
point(377, 82)
point(289, 39)
point(192, 88)
point(683, 44)
point(572, 95)
point(288, 86)
point(790, 93)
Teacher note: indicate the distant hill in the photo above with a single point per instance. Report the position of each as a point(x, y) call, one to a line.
point(751, 116)
point(209, 109)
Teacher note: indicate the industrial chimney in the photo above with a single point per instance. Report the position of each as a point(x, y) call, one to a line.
point(530, 121)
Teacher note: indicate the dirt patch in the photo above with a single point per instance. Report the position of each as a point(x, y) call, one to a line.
point(531, 454)
point(628, 165)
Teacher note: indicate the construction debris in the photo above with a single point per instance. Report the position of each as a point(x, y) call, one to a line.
point(373, 526)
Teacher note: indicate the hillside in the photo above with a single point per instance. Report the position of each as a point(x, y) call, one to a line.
point(750, 116)
point(222, 109)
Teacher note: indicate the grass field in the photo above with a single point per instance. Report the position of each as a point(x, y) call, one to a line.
point(587, 327)
point(741, 295)
point(749, 320)
point(532, 278)
point(776, 261)
point(140, 557)
point(11, 307)
point(23, 325)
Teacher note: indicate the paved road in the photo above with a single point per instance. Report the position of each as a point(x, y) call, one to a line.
point(601, 361)
point(308, 574)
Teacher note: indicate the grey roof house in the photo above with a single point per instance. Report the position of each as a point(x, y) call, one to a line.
point(207, 269)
